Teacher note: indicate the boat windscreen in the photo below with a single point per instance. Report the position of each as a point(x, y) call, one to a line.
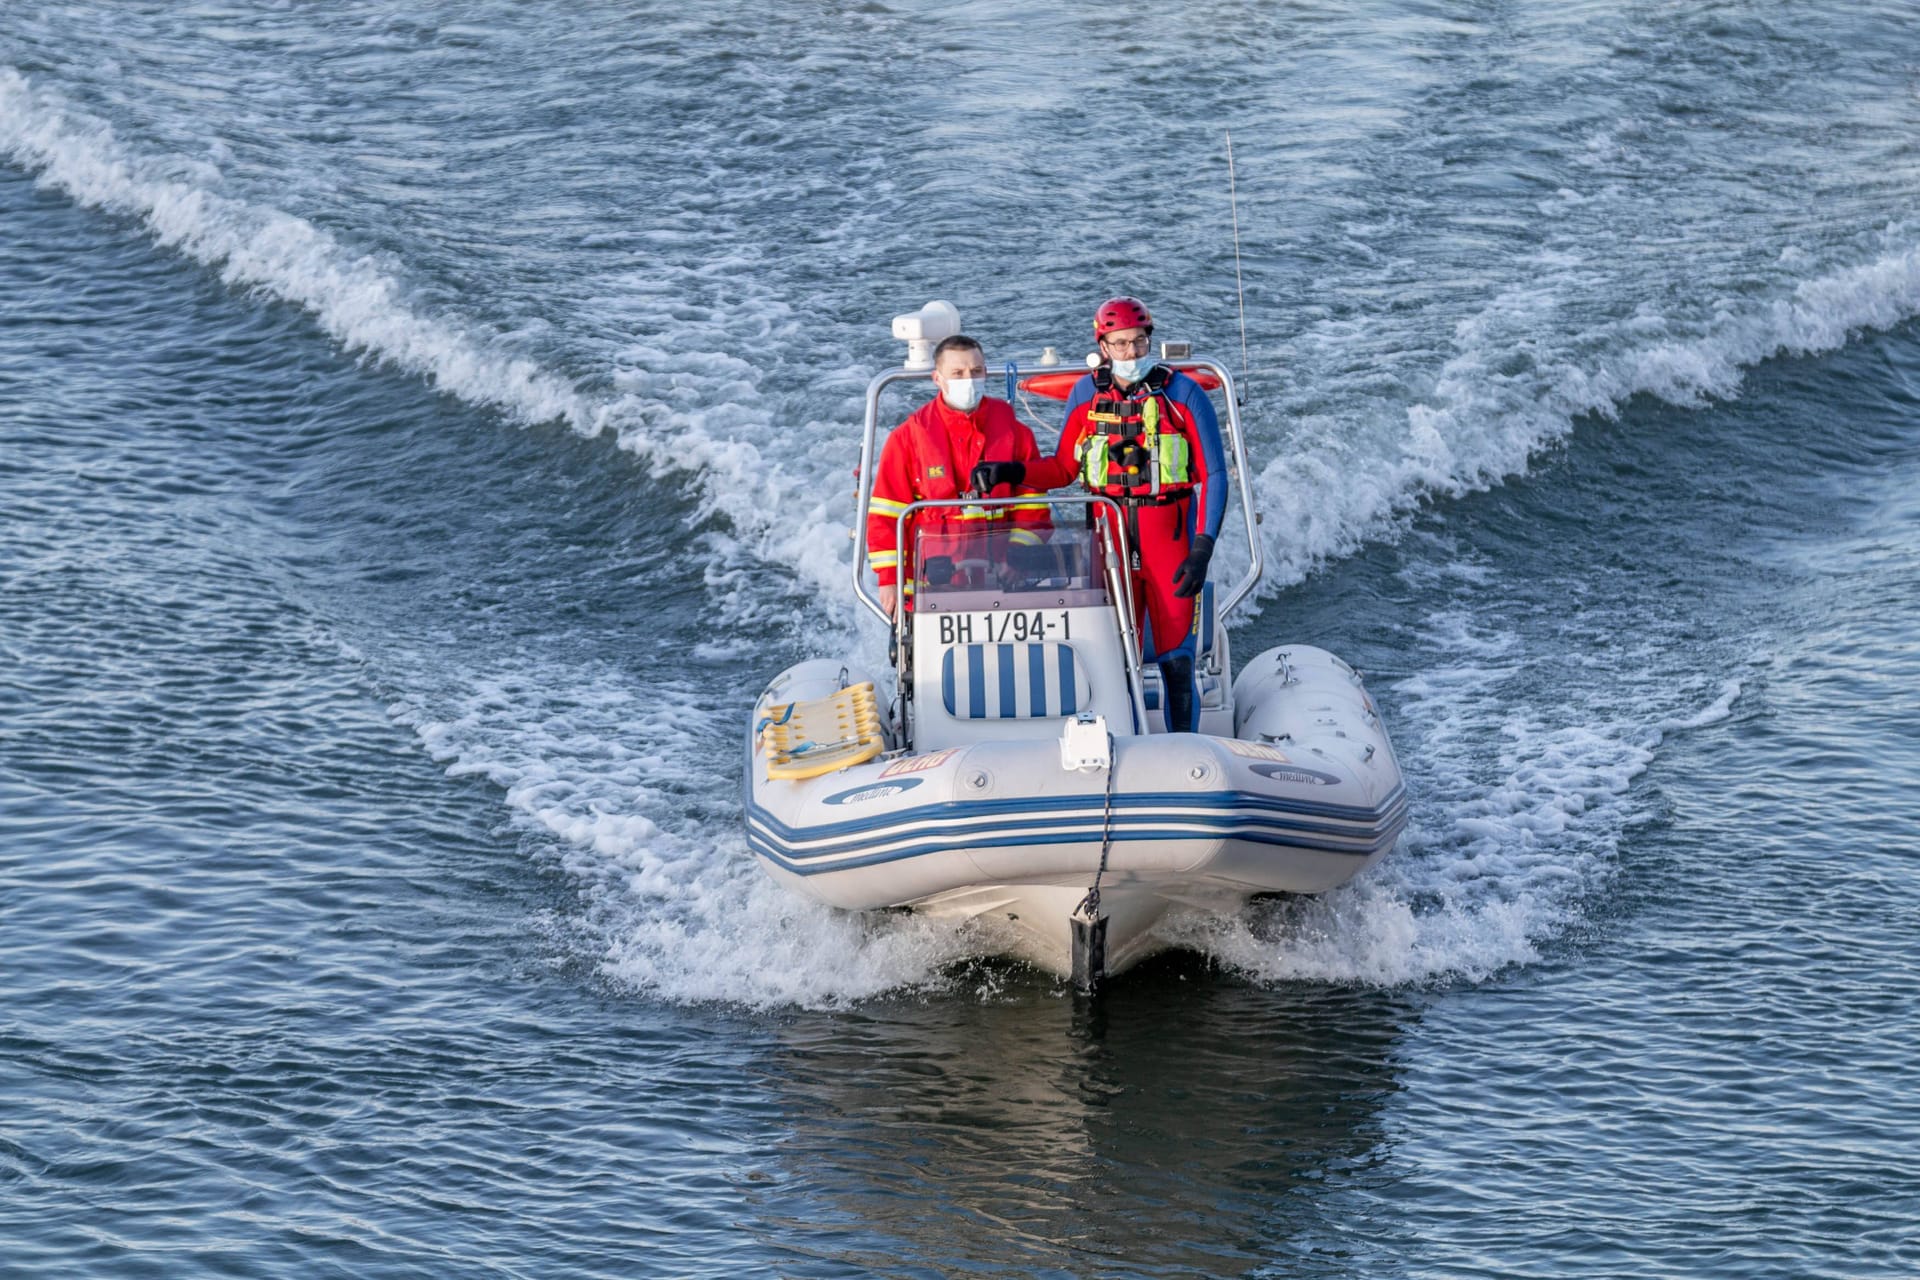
point(961, 565)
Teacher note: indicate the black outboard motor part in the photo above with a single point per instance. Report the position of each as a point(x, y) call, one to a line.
point(1089, 951)
point(1176, 686)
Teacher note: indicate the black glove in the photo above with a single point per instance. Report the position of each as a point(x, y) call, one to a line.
point(988, 476)
point(1192, 573)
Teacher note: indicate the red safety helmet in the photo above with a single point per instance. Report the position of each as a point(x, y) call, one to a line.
point(1121, 313)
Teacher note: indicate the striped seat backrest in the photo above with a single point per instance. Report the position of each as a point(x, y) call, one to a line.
point(1012, 681)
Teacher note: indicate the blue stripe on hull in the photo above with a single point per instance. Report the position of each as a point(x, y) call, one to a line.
point(1064, 810)
point(1075, 827)
point(1024, 807)
point(1252, 831)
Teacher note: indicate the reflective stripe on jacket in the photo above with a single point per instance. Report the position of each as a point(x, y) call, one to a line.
point(1126, 448)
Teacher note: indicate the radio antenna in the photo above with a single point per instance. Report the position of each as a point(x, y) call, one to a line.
point(1233, 201)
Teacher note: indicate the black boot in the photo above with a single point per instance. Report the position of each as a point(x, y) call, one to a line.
point(1176, 685)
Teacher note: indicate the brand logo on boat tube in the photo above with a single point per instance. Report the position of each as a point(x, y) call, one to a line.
point(1294, 773)
point(875, 791)
point(919, 764)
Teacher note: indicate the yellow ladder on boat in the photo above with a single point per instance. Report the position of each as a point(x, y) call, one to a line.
point(807, 739)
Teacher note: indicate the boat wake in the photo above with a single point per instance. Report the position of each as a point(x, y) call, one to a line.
point(1516, 386)
point(703, 413)
point(686, 412)
point(641, 810)
point(642, 817)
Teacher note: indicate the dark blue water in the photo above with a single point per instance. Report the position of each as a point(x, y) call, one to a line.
point(419, 439)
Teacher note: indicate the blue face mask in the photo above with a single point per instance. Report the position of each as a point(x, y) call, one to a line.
point(1131, 371)
point(964, 393)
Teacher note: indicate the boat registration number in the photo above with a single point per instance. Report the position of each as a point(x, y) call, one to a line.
point(1000, 626)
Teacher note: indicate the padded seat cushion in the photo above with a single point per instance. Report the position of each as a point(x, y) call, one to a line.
point(1012, 681)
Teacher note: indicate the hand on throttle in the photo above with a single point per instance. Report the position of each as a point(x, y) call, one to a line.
point(988, 476)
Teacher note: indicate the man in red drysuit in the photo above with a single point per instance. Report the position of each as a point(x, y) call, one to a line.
point(935, 453)
point(1147, 437)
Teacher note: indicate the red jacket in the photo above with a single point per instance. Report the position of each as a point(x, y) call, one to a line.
point(932, 455)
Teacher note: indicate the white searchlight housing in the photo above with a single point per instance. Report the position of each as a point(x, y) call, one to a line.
point(922, 330)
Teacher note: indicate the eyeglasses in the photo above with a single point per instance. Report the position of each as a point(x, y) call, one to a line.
point(1132, 346)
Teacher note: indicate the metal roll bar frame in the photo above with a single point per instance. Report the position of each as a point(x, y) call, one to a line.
point(1236, 450)
point(1242, 481)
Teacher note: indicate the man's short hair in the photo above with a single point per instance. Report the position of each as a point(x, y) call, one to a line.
point(958, 342)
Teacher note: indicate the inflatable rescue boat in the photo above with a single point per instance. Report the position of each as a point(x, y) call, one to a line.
point(1011, 767)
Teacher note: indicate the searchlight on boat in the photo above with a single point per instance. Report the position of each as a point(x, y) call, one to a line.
point(924, 329)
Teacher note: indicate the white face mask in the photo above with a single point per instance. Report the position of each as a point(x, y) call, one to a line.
point(1131, 371)
point(964, 393)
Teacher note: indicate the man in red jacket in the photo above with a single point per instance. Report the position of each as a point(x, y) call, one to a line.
point(934, 453)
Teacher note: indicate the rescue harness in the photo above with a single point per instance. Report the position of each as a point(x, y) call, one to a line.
point(1135, 445)
point(1134, 451)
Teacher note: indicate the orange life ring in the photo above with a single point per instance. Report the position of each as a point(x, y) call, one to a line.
point(1058, 384)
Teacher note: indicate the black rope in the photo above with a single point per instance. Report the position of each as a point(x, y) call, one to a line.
point(1091, 903)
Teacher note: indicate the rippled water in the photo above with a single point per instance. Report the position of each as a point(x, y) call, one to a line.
point(421, 434)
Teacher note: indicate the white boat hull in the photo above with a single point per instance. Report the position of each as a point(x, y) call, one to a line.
point(1301, 799)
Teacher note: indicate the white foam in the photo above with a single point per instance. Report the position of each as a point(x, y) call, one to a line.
point(691, 412)
point(1721, 708)
point(1518, 815)
point(703, 413)
point(1368, 933)
point(673, 903)
point(1334, 487)
point(359, 304)
point(1519, 818)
